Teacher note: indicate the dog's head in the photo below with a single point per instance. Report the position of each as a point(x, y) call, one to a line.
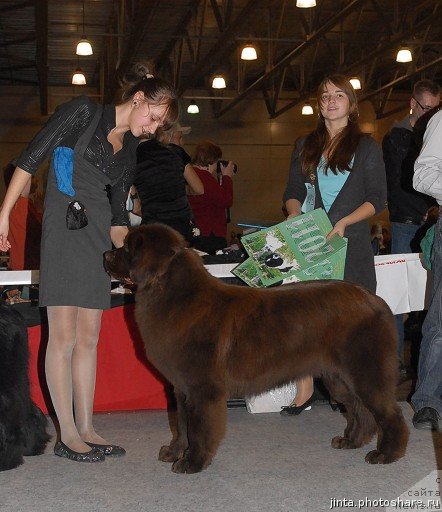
point(145, 255)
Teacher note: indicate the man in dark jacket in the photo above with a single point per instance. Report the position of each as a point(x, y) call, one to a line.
point(407, 207)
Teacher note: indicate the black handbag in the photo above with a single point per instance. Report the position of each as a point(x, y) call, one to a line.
point(76, 216)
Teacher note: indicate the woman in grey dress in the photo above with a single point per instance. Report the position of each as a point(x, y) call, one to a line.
point(340, 169)
point(97, 145)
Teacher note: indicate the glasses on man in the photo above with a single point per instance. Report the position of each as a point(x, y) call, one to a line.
point(425, 109)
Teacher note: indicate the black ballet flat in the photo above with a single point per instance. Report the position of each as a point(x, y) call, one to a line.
point(294, 410)
point(93, 455)
point(110, 450)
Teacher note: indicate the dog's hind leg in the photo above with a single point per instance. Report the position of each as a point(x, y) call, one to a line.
point(207, 414)
point(361, 426)
point(393, 432)
point(179, 443)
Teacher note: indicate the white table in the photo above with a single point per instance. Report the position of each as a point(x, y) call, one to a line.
point(402, 280)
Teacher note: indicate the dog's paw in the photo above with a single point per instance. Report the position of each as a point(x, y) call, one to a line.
point(375, 457)
point(184, 465)
point(167, 454)
point(342, 443)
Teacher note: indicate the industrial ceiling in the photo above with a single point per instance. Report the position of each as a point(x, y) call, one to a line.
point(191, 40)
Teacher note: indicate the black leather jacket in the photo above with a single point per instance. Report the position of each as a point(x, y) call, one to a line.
point(400, 151)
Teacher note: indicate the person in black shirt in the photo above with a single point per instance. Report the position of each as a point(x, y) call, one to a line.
point(163, 178)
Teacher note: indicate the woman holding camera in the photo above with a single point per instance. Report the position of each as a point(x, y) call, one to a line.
point(209, 209)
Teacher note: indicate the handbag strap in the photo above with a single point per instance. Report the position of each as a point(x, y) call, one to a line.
point(84, 139)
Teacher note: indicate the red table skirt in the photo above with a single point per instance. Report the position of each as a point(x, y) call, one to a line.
point(125, 379)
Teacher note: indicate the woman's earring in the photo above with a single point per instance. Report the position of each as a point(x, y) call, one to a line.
point(135, 103)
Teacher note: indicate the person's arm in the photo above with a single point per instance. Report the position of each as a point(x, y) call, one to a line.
point(363, 212)
point(195, 185)
point(293, 207)
point(119, 192)
point(375, 189)
point(118, 234)
point(428, 167)
point(220, 194)
point(19, 182)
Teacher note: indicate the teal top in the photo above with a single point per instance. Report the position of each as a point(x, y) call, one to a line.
point(330, 184)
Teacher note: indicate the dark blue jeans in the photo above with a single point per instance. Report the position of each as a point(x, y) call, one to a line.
point(429, 376)
point(401, 237)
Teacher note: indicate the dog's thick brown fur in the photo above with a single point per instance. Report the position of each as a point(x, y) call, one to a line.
point(212, 340)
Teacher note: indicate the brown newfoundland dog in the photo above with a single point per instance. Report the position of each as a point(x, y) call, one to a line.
point(212, 340)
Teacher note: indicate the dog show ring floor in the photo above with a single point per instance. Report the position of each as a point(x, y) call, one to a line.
point(266, 463)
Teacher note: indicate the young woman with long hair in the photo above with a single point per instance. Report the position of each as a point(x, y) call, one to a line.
point(340, 169)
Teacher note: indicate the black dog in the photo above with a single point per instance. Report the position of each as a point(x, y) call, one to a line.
point(22, 424)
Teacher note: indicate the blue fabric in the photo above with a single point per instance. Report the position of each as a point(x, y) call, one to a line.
point(429, 375)
point(401, 236)
point(330, 184)
point(63, 162)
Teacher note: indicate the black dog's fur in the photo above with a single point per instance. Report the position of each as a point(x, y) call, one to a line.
point(22, 424)
point(212, 340)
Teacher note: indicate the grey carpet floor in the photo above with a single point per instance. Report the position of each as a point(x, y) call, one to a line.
point(265, 463)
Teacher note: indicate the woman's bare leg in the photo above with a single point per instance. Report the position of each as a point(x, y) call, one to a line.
point(304, 390)
point(84, 369)
point(62, 338)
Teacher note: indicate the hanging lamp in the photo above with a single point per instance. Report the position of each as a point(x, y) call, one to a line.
point(84, 47)
point(78, 77)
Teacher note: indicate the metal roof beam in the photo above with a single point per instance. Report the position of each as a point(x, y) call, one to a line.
point(384, 46)
point(223, 46)
point(319, 33)
point(141, 20)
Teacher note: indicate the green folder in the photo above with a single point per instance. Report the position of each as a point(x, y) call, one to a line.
point(294, 250)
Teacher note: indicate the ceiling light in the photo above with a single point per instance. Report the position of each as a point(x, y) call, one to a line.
point(249, 53)
point(356, 83)
point(219, 82)
point(307, 110)
point(84, 47)
point(78, 78)
point(404, 55)
point(193, 108)
point(305, 3)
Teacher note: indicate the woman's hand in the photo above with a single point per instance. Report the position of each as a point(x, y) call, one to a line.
point(228, 170)
point(4, 230)
point(118, 234)
point(339, 228)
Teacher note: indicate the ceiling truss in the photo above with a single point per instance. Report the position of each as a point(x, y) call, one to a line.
point(191, 40)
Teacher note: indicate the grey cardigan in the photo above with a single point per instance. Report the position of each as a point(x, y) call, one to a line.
point(366, 182)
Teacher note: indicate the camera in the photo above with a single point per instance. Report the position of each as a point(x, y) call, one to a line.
point(224, 163)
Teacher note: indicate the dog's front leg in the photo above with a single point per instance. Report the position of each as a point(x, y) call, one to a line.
point(179, 443)
point(206, 412)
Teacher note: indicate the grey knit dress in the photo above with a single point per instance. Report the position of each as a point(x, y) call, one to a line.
point(71, 271)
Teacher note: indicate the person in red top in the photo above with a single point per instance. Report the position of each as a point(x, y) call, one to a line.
point(25, 231)
point(24, 234)
point(209, 209)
